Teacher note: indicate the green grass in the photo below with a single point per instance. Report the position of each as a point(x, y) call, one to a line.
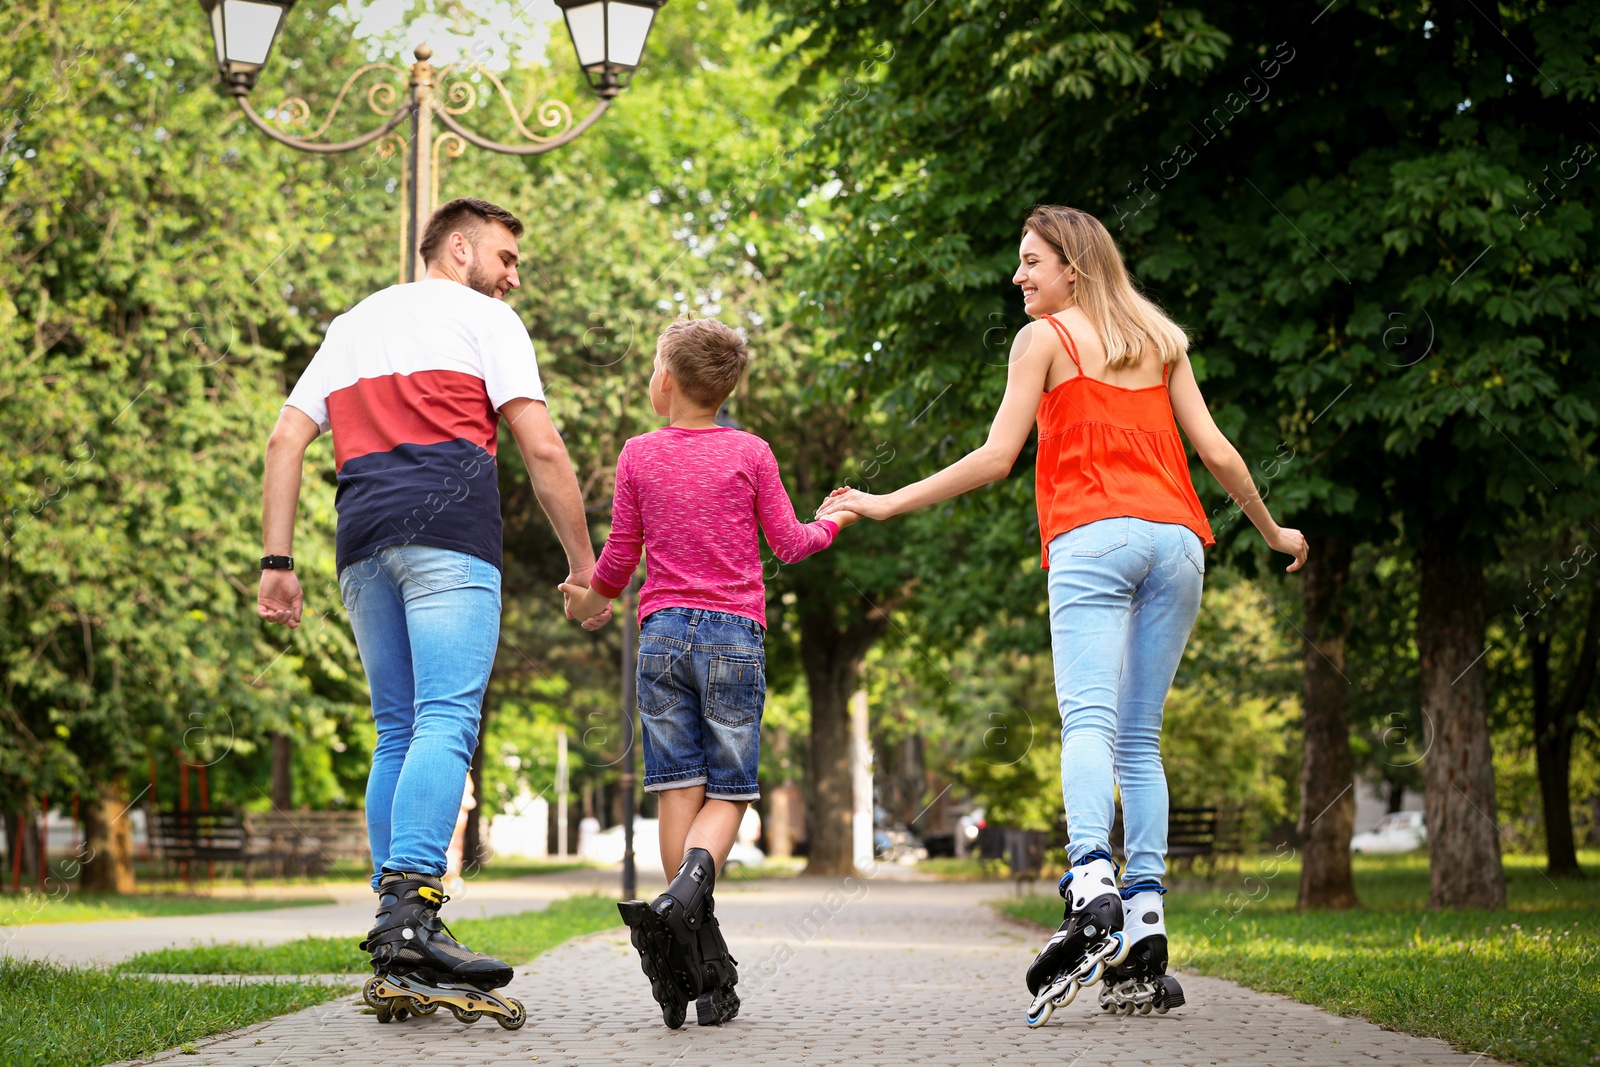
point(54, 1016)
point(1522, 984)
point(513, 938)
point(28, 908)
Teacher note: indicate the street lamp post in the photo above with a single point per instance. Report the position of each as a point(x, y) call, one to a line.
point(608, 36)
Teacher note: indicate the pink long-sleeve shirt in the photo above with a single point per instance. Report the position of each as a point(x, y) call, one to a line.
point(691, 501)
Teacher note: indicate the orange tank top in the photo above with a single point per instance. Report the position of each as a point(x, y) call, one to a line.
point(1106, 451)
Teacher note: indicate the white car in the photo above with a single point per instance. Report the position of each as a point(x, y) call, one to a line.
point(607, 845)
point(1402, 831)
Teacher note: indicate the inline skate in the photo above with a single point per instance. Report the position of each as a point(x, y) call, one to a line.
point(1141, 983)
point(681, 949)
point(1090, 938)
point(418, 965)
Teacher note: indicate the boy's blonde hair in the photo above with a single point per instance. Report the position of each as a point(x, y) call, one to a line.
point(706, 357)
point(1128, 322)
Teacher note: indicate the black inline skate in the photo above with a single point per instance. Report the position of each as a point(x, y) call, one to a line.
point(681, 948)
point(417, 964)
point(1141, 983)
point(1090, 938)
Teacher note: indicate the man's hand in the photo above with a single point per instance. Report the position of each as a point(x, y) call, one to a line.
point(586, 605)
point(280, 598)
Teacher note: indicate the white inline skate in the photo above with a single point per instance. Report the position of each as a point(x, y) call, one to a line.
point(1141, 983)
point(1089, 941)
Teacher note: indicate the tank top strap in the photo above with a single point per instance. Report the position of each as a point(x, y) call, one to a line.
point(1066, 340)
point(1166, 369)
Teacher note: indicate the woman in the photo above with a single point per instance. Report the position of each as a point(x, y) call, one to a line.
point(1103, 372)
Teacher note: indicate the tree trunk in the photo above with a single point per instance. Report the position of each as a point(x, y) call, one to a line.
point(108, 840)
point(780, 837)
point(831, 658)
point(282, 766)
point(1463, 828)
point(473, 854)
point(1327, 776)
point(1397, 796)
point(1554, 725)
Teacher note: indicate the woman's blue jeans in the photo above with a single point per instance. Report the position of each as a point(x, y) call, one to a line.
point(1124, 594)
point(427, 621)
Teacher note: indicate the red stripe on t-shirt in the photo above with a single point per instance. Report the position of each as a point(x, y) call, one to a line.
point(425, 408)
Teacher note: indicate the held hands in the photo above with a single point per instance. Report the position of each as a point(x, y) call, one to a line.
point(1290, 543)
point(845, 506)
point(583, 604)
point(280, 598)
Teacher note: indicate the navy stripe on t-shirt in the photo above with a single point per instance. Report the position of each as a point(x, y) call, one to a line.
point(444, 495)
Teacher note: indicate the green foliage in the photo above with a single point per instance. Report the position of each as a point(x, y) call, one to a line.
point(1518, 984)
point(28, 907)
point(514, 938)
point(66, 1017)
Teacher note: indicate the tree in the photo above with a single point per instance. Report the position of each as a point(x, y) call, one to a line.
point(1294, 229)
point(138, 382)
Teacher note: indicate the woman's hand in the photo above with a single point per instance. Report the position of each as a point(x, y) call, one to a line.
point(864, 505)
point(1290, 543)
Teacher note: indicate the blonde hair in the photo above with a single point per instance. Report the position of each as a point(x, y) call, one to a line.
point(1127, 321)
point(705, 356)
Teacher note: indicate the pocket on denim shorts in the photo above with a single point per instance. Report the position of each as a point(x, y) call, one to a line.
point(1098, 538)
point(736, 689)
point(1195, 551)
point(657, 693)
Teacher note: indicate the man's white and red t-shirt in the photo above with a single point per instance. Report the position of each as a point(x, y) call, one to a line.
point(411, 382)
point(691, 500)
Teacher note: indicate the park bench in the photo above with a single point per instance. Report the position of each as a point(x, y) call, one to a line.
point(182, 837)
point(1204, 833)
point(304, 843)
point(1022, 850)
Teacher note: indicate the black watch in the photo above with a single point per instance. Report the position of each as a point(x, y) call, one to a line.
point(277, 563)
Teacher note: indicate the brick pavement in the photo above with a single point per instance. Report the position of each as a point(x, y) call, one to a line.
point(834, 972)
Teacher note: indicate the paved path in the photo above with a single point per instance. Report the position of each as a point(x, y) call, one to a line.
point(834, 972)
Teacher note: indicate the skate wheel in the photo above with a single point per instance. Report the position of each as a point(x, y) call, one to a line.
point(1068, 995)
point(673, 1014)
point(1127, 1009)
point(514, 1021)
point(400, 1014)
point(1123, 948)
point(1162, 1009)
point(1095, 973)
point(420, 1008)
point(383, 1012)
point(1108, 1006)
point(464, 1015)
point(1144, 1007)
point(1038, 1018)
point(369, 992)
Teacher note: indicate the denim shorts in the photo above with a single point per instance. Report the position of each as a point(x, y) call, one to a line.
point(702, 686)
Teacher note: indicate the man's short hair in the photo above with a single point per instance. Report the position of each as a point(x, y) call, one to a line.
point(467, 216)
point(706, 357)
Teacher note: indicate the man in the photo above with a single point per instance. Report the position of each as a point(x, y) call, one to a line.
point(412, 382)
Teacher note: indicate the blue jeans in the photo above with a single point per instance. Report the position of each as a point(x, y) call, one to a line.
point(702, 688)
point(1124, 594)
point(427, 621)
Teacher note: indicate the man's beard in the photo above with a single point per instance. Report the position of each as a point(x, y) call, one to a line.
point(478, 278)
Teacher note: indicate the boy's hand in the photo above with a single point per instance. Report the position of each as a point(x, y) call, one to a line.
point(843, 518)
point(584, 604)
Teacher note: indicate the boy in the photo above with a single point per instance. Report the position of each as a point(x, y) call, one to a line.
point(691, 495)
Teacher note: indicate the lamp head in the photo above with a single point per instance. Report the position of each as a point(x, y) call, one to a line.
point(243, 32)
point(609, 38)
